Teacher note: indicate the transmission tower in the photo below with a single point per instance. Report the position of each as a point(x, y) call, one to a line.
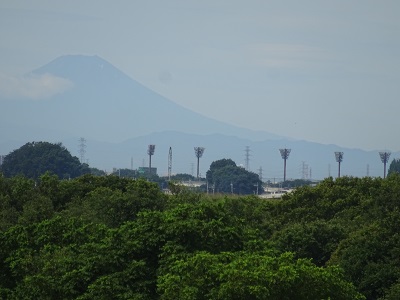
point(304, 171)
point(384, 158)
point(260, 174)
point(247, 157)
point(339, 159)
point(150, 152)
point(285, 155)
point(169, 163)
point(82, 149)
point(199, 153)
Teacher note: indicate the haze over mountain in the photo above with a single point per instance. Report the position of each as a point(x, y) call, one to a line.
point(85, 96)
point(104, 104)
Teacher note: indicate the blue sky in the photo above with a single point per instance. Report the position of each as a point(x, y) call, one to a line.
point(323, 71)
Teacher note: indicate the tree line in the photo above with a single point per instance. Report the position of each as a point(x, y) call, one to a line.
point(36, 158)
point(106, 237)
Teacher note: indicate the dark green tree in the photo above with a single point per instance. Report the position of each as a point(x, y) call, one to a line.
point(216, 165)
point(227, 177)
point(394, 166)
point(36, 158)
point(182, 177)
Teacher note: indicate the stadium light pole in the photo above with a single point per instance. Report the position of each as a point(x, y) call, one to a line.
point(339, 159)
point(285, 155)
point(384, 158)
point(150, 152)
point(198, 151)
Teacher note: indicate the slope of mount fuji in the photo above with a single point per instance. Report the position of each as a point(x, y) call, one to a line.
point(105, 104)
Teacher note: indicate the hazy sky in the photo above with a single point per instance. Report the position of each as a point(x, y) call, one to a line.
point(324, 71)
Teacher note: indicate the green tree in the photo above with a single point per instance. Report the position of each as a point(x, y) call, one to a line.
point(216, 165)
point(182, 177)
point(36, 158)
point(244, 275)
point(227, 177)
point(394, 166)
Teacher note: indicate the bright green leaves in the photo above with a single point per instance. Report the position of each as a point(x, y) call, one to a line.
point(246, 275)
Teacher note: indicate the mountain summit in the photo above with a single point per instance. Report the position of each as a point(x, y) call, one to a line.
point(105, 104)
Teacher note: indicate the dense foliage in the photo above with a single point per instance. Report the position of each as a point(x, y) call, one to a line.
point(226, 177)
point(110, 237)
point(394, 166)
point(36, 158)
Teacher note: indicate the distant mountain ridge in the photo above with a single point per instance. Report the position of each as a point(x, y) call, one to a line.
point(119, 117)
point(107, 105)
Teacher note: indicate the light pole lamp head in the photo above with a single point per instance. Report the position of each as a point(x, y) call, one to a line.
point(199, 151)
point(339, 156)
point(150, 149)
point(384, 156)
point(285, 153)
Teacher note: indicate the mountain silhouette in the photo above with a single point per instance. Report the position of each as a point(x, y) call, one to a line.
point(107, 105)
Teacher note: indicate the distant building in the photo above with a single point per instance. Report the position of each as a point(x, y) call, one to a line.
point(2, 159)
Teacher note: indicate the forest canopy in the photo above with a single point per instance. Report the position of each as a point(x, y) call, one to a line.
point(106, 237)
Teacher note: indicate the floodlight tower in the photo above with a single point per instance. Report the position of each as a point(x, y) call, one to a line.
point(150, 152)
point(198, 151)
point(384, 158)
point(339, 159)
point(285, 155)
